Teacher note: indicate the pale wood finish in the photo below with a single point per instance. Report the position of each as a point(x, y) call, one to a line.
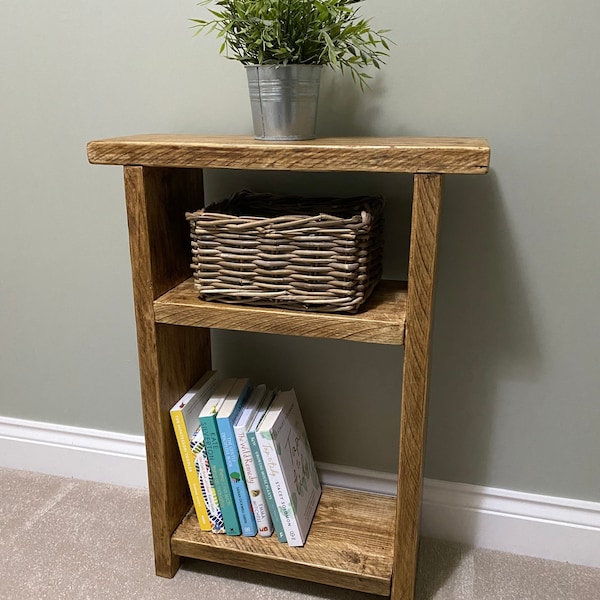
point(381, 320)
point(349, 545)
point(390, 155)
point(358, 540)
point(427, 197)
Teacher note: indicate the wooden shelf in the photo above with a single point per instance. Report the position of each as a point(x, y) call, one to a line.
point(350, 544)
point(380, 321)
point(383, 155)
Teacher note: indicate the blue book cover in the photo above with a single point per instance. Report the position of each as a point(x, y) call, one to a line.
point(260, 397)
point(214, 452)
point(226, 418)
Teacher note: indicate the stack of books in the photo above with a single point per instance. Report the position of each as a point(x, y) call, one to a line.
point(247, 459)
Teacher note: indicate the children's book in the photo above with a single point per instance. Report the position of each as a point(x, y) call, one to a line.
point(260, 468)
point(207, 486)
point(226, 417)
point(216, 459)
point(290, 467)
point(184, 416)
point(257, 498)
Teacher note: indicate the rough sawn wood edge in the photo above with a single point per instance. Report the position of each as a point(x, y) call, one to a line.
point(386, 155)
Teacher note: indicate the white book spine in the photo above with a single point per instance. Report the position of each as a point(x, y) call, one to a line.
point(280, 491)
point(257, 498)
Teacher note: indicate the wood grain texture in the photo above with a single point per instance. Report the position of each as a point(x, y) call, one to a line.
point(427, 196)
point(381, 320)
point(359, 541)
point(392, 155)
point(170, 358)
point(169, 193)
point(349, 545)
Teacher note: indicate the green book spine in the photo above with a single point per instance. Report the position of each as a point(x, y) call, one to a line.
point(266, 486)
point(216, 459)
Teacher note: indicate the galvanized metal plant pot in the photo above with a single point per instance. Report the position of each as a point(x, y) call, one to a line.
point(284, 100)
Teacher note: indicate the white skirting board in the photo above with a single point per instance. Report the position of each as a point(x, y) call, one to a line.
point(90, 454)
point(543, 526)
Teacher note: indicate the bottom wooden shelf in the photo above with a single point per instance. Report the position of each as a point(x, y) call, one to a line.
point(350, 544)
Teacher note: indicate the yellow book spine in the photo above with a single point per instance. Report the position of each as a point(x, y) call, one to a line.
point(187, 456)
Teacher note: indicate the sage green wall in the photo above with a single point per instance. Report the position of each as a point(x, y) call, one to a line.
point(515, 377)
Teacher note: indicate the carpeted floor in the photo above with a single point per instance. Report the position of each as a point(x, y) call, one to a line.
point(75, 540)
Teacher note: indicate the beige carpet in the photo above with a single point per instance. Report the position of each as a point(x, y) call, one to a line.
point(75, 540)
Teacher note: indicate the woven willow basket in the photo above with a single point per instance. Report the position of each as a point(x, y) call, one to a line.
point(318, 254)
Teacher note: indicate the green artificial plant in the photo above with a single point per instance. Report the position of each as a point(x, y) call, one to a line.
point(322, 32)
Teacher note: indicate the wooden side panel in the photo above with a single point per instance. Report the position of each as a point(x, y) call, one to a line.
point(170, 358)
point(421, 276)
point(169, 193)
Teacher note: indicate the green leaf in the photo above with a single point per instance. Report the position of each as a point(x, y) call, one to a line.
point(329, 32)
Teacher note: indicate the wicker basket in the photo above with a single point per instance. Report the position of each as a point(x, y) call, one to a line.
point(318, 254)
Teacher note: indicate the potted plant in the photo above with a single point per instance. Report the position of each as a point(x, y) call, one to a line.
point(284, 45)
